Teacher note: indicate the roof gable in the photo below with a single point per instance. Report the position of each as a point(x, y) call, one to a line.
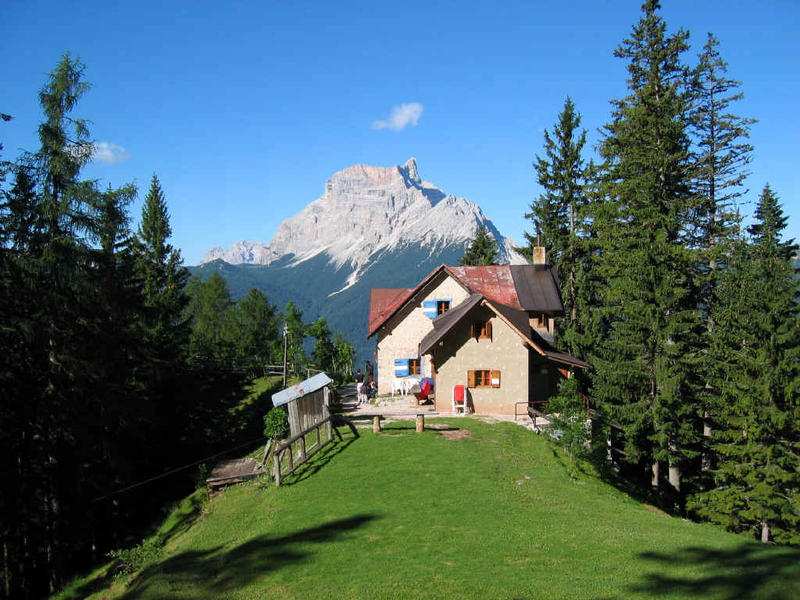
point(444, 323)
point(516, 319)
point(519, 287)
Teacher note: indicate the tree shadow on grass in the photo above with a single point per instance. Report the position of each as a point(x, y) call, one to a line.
point(180, 519)
point(746, 571)
point(217, 573)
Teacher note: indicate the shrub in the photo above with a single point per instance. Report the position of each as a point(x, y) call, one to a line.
point(276, 424)
point(133, 560)
point(567, 415)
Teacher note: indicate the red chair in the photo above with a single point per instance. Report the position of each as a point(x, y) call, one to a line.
point(459, 398)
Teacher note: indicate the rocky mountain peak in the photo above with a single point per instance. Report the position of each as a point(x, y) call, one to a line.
point(364, 211)
point(410, 170)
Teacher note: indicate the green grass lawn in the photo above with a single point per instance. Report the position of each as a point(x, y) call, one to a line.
point(496, 515)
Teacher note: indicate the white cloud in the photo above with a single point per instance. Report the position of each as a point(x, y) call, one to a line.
point(401, 116)
point(109, 153)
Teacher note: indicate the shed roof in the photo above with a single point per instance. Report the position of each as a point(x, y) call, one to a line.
point(520, 287)
point(298, 390)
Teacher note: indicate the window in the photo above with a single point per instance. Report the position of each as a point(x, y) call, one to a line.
point(482, 330)
point(541, 321)
point(414, 366)
point(435, 306)
point(403, 367)
point(483, 378)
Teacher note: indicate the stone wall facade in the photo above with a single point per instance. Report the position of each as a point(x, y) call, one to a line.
point(505, 352)
point(400, 336)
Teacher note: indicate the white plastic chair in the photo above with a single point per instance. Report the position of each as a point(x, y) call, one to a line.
point(398, 385)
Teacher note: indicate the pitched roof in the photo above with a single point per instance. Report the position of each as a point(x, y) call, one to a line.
point(516, 319)
point(537, 288)
point(445, 322)
point(383, 302)
point(520, 287)
point(494, 282)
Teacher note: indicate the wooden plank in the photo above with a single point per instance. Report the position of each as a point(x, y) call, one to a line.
point(268, 450)
point(302, 454)
point(233, 471)
point(276, 467)
point(294, 438)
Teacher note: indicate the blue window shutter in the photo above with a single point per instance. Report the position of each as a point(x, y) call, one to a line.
point(401, 367)
point(429, 308)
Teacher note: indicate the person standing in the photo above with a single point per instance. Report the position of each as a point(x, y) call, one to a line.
point(360, 396)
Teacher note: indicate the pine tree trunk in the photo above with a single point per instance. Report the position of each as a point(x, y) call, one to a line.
point(573, 310)
point(674, 472)
point(675, 477)
point(706, 462)
point(6, 572)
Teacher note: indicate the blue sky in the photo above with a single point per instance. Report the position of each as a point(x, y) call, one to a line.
point(244, 109)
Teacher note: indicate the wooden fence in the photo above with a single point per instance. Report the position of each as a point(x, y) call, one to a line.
point(293, 452)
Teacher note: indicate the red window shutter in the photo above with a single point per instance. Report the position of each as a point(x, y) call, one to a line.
point(471, 379)
point(495, 379)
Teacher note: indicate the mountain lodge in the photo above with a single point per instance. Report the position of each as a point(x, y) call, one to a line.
point(489, 329)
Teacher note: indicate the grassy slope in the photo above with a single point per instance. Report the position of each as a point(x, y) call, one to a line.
point(496, 515)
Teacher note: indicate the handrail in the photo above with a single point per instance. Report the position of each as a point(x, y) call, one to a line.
point(287, 442)
point(285, 447)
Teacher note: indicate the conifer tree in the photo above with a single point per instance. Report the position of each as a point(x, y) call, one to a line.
point(56, 263)
point(556, 213)
point(18, 211)
point(482, 251)
point(163, 276)
point(344, 357)
point(755, 374)
point(117, 409)
point(766, 231)
point(208, 306)
point(253, 331)
point(642, 366)
point(721, 152)
point(559, 216)
point(324, 353)
point(65, 149)
point(720, 157)
point(54, 387)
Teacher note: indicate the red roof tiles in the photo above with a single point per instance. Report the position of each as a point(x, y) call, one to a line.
point(493, 282)
point(383, 302)
point(520, 287)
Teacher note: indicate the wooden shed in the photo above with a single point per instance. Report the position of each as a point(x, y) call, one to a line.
point(310, 423)
point(307, 402)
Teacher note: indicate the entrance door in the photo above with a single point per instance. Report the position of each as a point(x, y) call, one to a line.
point(542, 385)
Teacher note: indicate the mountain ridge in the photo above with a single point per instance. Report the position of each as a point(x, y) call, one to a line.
point(372, 227)
point(366, 210)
